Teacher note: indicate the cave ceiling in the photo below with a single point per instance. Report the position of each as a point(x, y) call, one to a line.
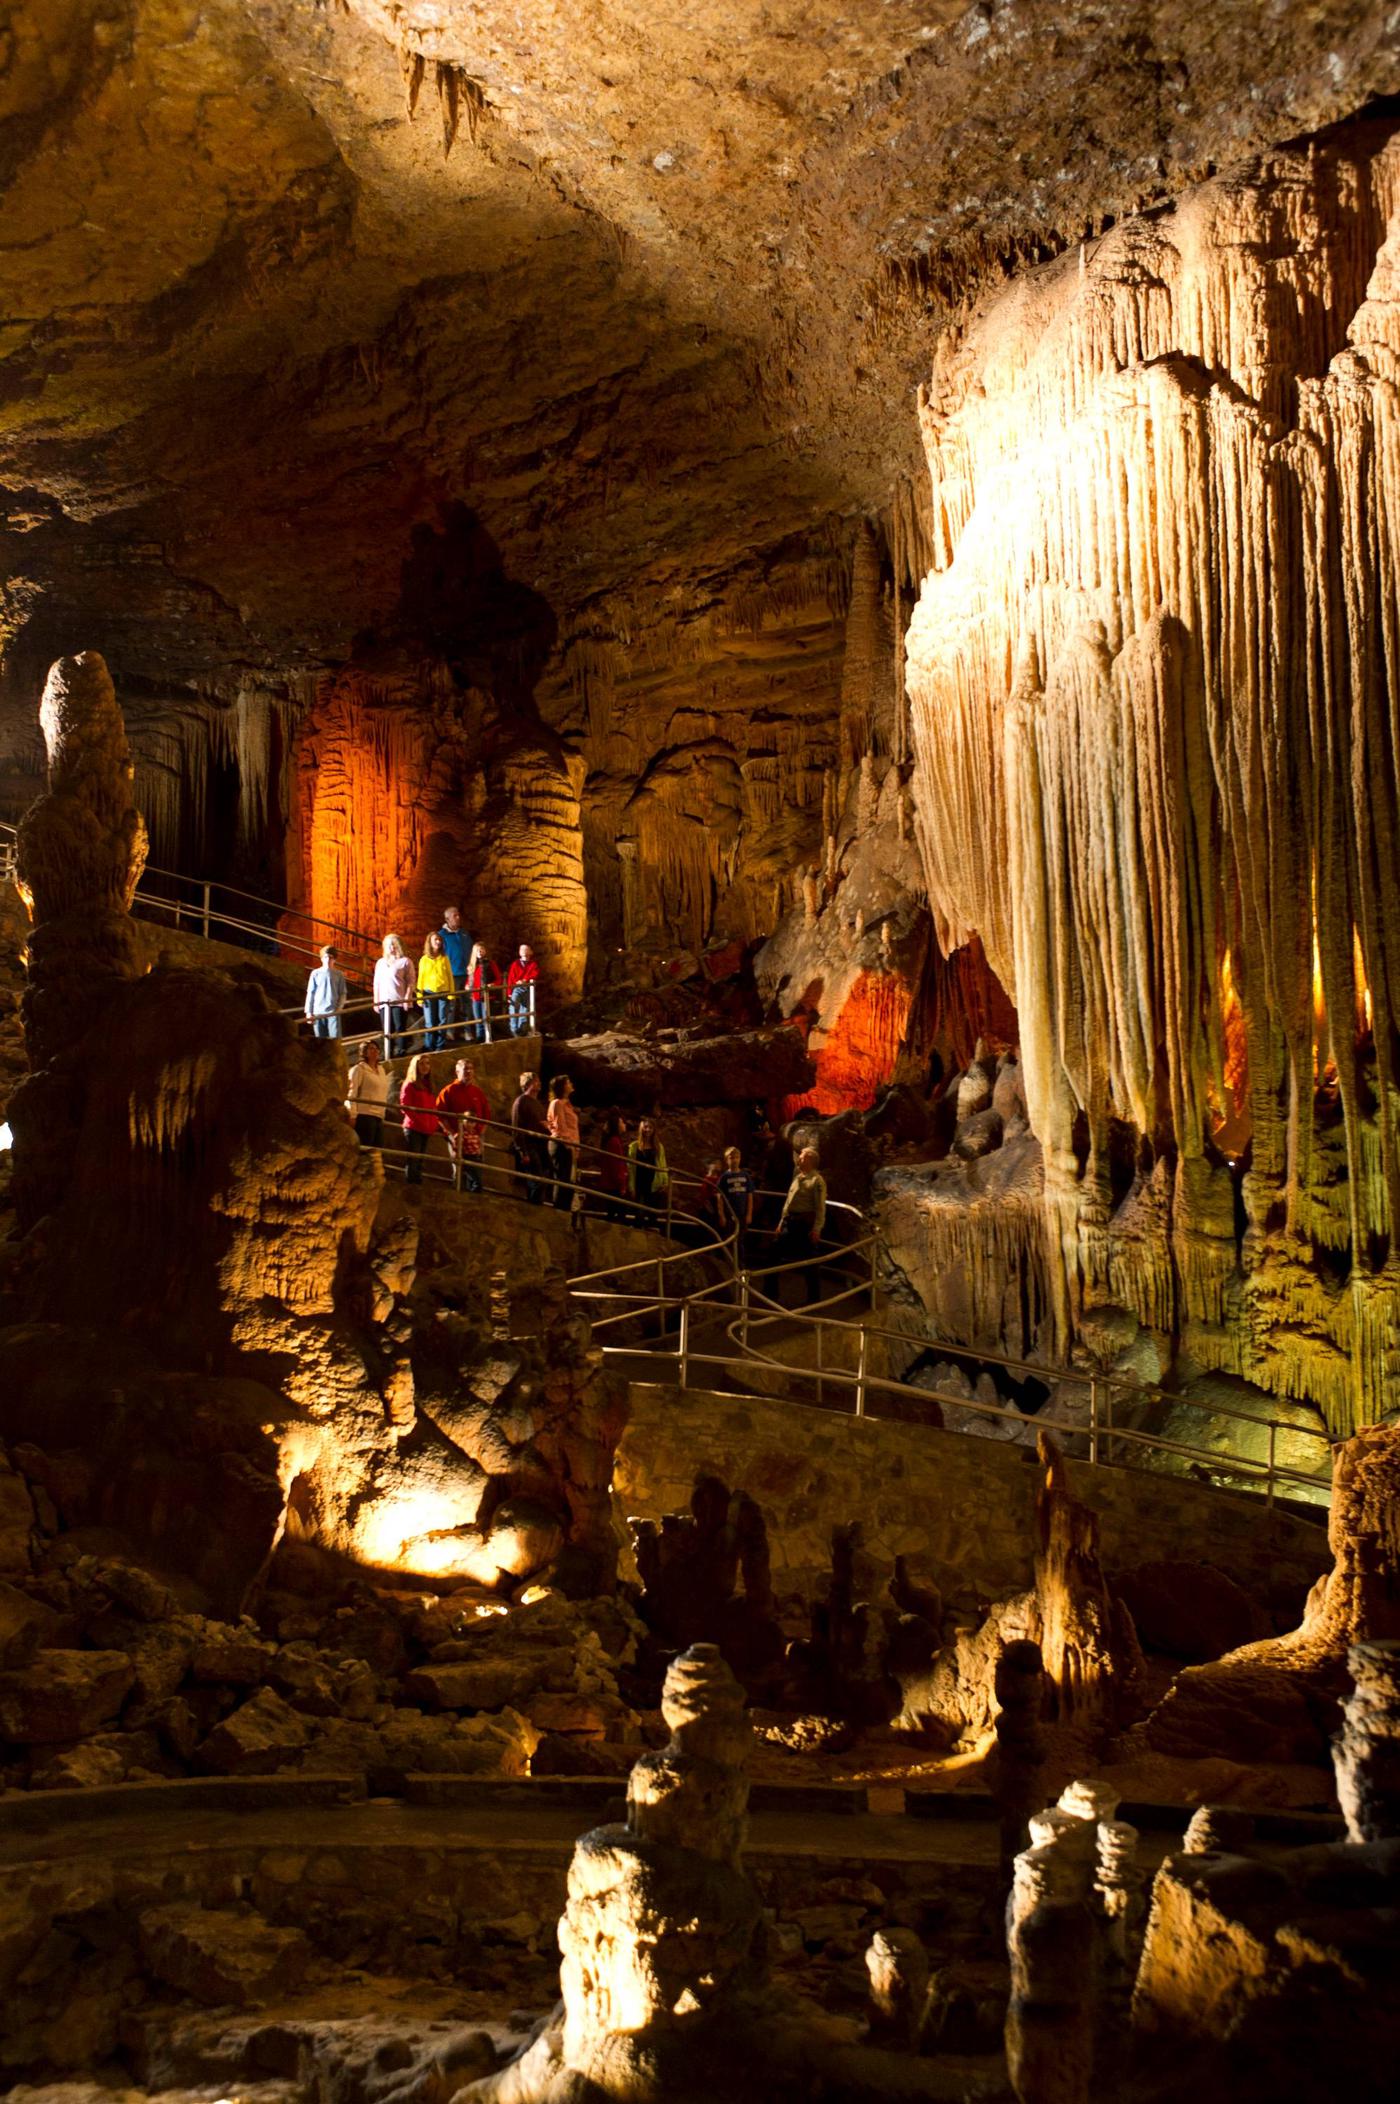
point(647, 291)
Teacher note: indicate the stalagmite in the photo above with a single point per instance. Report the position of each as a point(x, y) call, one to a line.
point(82, 848)
point(1366, 1752)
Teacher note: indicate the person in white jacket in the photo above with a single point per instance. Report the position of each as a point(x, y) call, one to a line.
point(368, 1094)
point(394, 983)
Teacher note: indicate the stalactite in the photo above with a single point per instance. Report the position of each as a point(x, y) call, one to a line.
point(1165, 490)
point(860, 672)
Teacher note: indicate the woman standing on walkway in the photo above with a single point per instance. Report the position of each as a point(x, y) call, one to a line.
point(420, 1120)
point(563, 1140)
point(368, 1094)
point(647, 1174)
point(483, 982)
point(393, 994)
point(435, 991)
point(802, 1220)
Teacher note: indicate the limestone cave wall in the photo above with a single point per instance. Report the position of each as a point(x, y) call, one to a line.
point(1152, 676)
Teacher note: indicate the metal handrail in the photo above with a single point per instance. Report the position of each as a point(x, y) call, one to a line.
point(664, 1222)
point(1109, 1384)
point(204, 912)
point(862, 1383)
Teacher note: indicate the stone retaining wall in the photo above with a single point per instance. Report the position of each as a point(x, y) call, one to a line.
point(950, 1502)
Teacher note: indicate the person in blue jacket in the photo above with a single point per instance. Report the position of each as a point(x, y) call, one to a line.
point(457, 944)
point(325, 995)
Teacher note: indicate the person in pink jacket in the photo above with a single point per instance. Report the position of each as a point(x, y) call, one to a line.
point(394, 984)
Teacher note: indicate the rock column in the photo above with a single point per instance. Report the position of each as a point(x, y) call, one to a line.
point(82, 848)
point(1366, 1751)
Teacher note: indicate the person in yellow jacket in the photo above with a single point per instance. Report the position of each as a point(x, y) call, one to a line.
point(435, 990)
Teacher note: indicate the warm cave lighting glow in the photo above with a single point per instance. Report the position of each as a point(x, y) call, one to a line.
point(419, 1535)
point(1363, 989)
point(1231, 1127)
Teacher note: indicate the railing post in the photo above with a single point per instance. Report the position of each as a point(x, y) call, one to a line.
point(860, 1372)
point(456, 1153)
point(683, 1344)
point(204, 913)
point(744, 1305)
point(1273, 1429)
point(531, 991)
point(670, 1215)
point(1093, 1421)
point(820, 1327)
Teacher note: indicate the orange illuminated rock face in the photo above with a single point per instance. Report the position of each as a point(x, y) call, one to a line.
point(859, 1054)
point(411, 796)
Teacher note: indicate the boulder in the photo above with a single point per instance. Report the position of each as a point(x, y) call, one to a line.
point(640, 1074)
point(221, 1959)
point(231, 1658)
point(87, 1767)
point(63, 1695)
point(24, 1625)
point(160, 1658)
point(258, 1738)
point(491, 1683)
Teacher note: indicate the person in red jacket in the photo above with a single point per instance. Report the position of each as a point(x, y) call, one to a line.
point(483, 985)
point(466, 1110)
point(418, 1105)
point(521, 980)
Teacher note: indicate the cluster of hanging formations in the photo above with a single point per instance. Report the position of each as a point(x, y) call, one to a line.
point(1152, 679)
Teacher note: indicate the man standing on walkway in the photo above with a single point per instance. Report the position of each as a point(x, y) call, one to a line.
point(467, 1111)
point(802, 1220)
point(531, 1129)
point(325, 995)
point(457, 946)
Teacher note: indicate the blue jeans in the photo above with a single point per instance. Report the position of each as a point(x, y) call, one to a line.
point(326, 1025)
point(435, 1010)
point(481, 1009)
point(519, 1011)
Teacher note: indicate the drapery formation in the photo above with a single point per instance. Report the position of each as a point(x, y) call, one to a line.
point(1154, 678)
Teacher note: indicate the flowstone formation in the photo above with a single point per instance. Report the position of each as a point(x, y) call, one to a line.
point(1277, 1699)
point(1149, 673)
